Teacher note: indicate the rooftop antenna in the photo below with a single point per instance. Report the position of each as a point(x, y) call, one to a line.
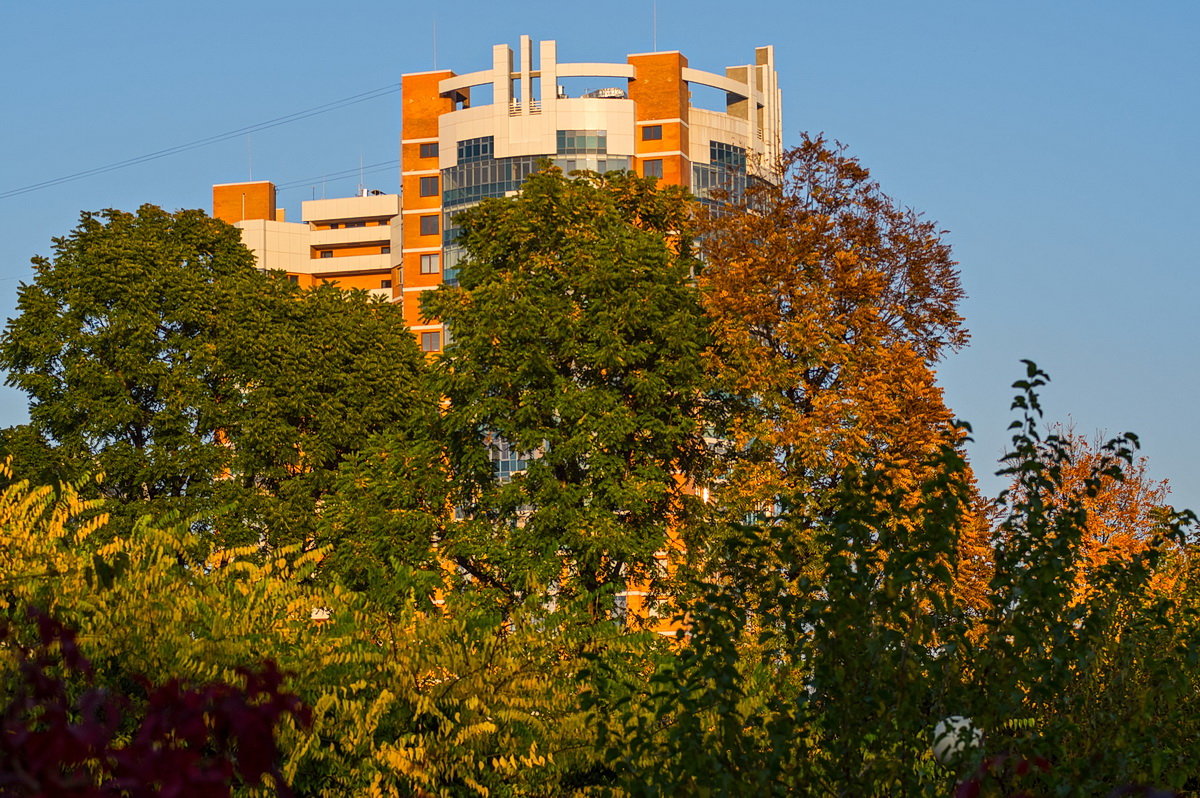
point(362, 186)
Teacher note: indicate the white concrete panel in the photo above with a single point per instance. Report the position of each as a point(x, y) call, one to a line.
point(354, 235)
point(276, 245)
point(596, 70)
point(459, 82)
point(716, 81)
point(349, 263)
point(371, 206)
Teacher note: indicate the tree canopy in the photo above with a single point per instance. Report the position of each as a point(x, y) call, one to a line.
point(158, 359)
point(576, 351)
point(830, 303)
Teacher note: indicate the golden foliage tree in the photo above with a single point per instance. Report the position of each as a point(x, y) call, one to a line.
point(830, 303)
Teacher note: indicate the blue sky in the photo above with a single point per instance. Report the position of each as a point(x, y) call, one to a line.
point(1055, 141)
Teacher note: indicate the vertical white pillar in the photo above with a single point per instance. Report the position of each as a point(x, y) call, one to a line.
point(502, 64)
point(548, 65)
point(526, 80)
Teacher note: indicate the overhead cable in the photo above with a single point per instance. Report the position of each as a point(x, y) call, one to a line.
point(368, 169)
point(191, 145)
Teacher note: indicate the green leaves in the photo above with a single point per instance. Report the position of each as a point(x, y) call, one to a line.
point(577, 342)
point(156, 355)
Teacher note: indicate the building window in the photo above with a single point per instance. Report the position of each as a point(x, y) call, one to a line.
point(327, 253)
point(385, 250)
point(385, 283)
point(355, 224)
point(429, 225)
point(479, 149)
point(582, 142)
point(652, 133)
point(431, 341)
point(429, 149)
point(294, 278)
point(429, 186)
point(334, 225)
point(726, 154)
point(652, 168)
point(429, 264)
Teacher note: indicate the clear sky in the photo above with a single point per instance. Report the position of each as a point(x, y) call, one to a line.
point(1055, 140)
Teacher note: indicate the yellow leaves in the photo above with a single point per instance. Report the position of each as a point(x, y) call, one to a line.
point(403, 704)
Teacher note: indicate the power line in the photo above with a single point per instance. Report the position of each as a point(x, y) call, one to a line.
point(370, 168)
point(191, 145)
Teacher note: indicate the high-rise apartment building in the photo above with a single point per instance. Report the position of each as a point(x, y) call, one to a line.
point(480, 134)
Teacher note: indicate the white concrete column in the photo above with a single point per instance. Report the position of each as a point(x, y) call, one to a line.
point(526, 79)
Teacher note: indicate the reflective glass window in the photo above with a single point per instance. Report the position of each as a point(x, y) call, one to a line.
point(726, 154)
point(582, 142)
point(478, 149)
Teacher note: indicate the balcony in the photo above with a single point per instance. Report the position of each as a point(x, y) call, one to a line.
point(349, 263)
point(353, 235)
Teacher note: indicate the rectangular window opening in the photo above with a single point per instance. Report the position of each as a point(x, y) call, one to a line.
point(429, 186)
point(429, 149)
point(429, 225)
point(582, 142)
point(652, 133)
point(652, 167)
point(429, 264)
point(478, 149)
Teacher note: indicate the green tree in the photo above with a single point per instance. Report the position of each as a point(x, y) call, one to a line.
point(319, 373)
point(576, 352)
point(158, 358)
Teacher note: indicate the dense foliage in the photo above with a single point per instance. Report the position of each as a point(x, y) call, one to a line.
point(829, 302)
point(753, 438)
point(577, 347)
point(160, 361)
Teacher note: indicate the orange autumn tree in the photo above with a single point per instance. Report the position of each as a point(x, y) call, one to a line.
point(1123, 506)
point(830, 304)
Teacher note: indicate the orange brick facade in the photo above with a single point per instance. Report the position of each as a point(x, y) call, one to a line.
point(234, 202)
